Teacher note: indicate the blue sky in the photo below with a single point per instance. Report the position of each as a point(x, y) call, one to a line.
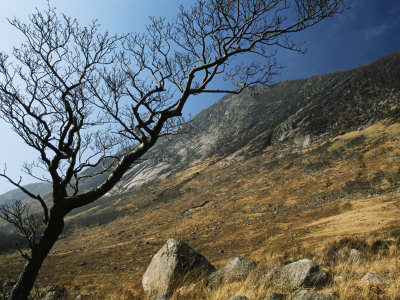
point(366, 32)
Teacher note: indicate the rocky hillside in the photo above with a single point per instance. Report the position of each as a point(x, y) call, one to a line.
point(311, 177)
point(279, 206)
point(299, 111)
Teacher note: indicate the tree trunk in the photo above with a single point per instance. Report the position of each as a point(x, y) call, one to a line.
point(40, 251)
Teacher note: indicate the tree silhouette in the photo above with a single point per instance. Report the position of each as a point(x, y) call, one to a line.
point(83, 99)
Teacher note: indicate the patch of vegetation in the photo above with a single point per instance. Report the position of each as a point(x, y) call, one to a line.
point(356, 141)
point(169, 195)
point(95, 219)
point(316, 166)
point(369, 249)
point(10, 240)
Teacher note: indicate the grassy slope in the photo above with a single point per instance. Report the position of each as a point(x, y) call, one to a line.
point(277, 206)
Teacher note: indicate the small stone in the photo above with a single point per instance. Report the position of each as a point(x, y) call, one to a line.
point(9, 282)
point(52, 296)
point(47, 289)
point(338, 278)
point(374, 278)
point(53, 293)
point(83, 263)
point(83, 296)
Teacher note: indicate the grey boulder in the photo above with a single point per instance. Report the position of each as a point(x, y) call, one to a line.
point(175, 265)
point(306, 295)
point(374, 278)
point(236, 269)
point(303, 273)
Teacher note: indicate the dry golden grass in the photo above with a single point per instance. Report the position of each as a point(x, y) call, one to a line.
point(274, 208)
point(385, 262)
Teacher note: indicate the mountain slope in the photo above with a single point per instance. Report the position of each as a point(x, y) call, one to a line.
point(276, 206)
point(298, 111)
point(274, 180)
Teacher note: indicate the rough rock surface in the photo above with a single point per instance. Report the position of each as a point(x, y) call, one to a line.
point(305, 273)
point(374, 278)
point(306, 295)
point(236, 269)
point(175, 265)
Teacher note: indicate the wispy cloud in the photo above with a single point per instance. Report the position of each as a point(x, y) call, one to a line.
point(388, 25)
point(395, 9)
point(374, 32)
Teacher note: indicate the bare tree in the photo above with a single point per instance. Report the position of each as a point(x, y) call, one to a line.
point(86, 99)
point(26, 223)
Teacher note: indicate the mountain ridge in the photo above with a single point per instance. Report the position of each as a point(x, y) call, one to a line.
point(292, 112)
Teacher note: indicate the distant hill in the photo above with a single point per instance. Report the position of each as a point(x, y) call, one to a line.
point(16, 194)
point(298, 111)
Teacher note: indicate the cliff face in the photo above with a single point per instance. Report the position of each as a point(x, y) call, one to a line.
point(293, 112)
